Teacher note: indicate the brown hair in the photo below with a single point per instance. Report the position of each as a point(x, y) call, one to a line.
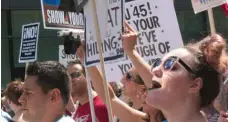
point(14, 91)
point(210, 73)
point(50, 75)
point(215, 44)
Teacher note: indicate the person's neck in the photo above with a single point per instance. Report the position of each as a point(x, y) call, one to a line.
point(85, 98)
point(53, 115)
point(18, 112)
point(184, 112)
point(16, 109)
point(153, 115)
point(137, 104)
point(209, 109)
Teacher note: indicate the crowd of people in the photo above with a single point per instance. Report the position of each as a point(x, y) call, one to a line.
point(188, 84)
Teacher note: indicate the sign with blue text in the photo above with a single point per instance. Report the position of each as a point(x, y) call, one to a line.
point(29, 43)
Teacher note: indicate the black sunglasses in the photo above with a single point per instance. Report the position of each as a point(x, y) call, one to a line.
point(129, 76)
point(75, 75)
point(170, 62)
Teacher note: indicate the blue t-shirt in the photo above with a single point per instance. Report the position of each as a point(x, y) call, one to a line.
point(165, 121)
point(65, 118)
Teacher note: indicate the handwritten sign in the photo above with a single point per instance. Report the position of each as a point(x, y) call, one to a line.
point(110, 20)
point(158, 29)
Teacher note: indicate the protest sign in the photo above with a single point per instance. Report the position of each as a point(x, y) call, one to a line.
point(61, 14)
point(202, 5)
point(158, 29)
point(110, 18)
point(29, 43)
point(64, 58)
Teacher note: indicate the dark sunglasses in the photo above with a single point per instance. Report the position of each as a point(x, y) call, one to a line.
point(129, 76)
point(170, 62)
point(75, 75)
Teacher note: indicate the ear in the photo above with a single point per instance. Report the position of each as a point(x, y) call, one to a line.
point(8, 101)
point(196, 85)
point(55, 95)
point(141, 89)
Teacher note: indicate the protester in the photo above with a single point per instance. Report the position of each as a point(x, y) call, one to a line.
point(117, 88)
point(12, 93)
point(79, 91)
point(46, 93)
point(120, 109)
point(5, 117)
point(133, 87)
point(183, 81)
point(5, 106)
point(194, 91)
point(214, 49)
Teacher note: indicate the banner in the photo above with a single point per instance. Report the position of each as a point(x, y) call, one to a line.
point(29, 42)
point(61, 14)
point(64, 58)
point(202, 5)
point(158, 29)
point(110, 18)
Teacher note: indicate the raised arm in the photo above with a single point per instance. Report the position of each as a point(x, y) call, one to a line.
point(129, 41)
point(120, 109)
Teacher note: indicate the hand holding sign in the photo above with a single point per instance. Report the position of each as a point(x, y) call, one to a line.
point(129, 38)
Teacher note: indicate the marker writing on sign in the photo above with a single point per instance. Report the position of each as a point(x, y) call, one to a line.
point(124, 68)
point(140, 10)
point(109, 44)
point(113, 20)
point(30, 32)
point(147, 23)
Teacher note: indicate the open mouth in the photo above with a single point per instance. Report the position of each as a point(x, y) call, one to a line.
point(155, 85)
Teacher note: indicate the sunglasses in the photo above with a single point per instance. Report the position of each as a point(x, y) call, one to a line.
point(130, 78)
point(75, 75)
point(170, 62)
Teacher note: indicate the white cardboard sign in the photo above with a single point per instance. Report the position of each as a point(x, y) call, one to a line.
point(159, 33)
point(202, 5)
point(110, 20)
point(64, 58)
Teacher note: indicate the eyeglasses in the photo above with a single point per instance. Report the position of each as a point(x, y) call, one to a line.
point(75, 75)
point(136, 80)
point(170, 62)
point(129, 76)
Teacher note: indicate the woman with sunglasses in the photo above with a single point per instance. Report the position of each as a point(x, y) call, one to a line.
point(120, 109)
point(180, 84)
point(133, 88)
